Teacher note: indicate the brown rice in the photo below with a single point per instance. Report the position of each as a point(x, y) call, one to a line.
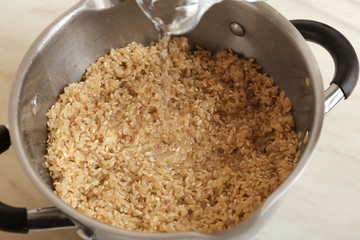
point(225, 143)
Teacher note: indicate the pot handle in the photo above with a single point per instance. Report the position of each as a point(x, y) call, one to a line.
point(12, 219)
point(344, 56)
point(22, 220)
point(4, 139)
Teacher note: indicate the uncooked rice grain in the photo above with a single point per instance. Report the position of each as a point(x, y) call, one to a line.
point(222, 144)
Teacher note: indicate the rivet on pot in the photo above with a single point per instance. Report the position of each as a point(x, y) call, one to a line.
point(85, 234)
point(35, 104)
point(237, 29)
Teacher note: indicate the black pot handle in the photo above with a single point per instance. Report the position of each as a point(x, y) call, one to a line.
point(22, 220)
point(344, 56)
point(12, 219)
point(4, 139)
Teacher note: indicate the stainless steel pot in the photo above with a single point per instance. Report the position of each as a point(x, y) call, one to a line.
point(92, 27)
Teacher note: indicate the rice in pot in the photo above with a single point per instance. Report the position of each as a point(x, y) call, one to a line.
point(225, 142)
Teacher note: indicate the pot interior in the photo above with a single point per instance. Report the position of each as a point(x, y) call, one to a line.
point(63, 51)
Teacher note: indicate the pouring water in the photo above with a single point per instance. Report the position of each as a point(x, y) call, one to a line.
point(176, 16)
point(173, 17)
